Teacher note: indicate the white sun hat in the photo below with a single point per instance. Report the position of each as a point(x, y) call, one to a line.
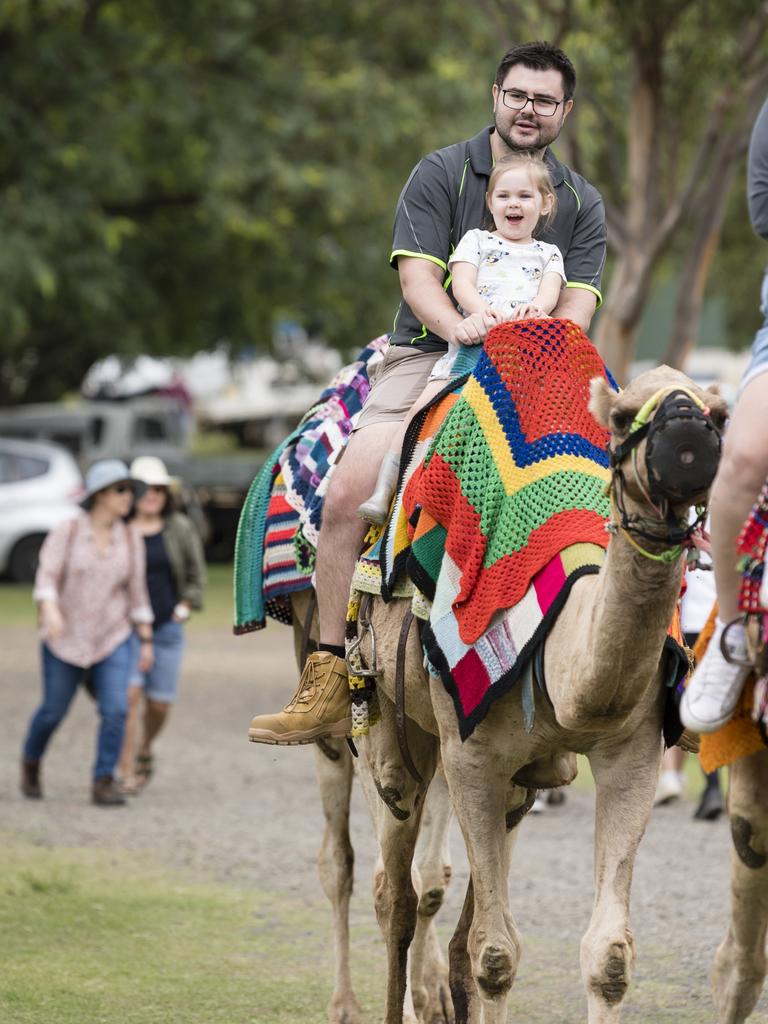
point(152, 472)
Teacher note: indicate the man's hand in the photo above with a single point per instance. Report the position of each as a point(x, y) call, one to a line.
point(473, 329)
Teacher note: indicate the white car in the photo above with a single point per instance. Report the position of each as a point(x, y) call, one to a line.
point(40, 485)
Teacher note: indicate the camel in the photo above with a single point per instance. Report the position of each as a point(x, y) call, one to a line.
point(740, 962)
point(427, 998)
point(603, 676)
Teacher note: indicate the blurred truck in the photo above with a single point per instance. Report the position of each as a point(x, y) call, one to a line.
point(214, 487)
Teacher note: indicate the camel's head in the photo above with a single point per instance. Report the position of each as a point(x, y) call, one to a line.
point(669, 428)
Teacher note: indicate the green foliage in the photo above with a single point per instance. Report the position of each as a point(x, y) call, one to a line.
point(173, 174)
point(176, 174)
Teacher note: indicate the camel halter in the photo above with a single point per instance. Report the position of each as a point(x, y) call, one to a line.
point(682, 404)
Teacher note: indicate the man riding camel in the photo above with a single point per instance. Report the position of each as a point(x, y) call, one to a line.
point(444, 197)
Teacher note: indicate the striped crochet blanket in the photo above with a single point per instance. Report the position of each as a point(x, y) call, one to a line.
point(508, 508)
point(280, 519)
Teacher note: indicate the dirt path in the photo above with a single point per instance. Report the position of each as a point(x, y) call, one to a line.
point(250, 816)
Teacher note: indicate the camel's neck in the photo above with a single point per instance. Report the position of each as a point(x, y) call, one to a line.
point(619, 627)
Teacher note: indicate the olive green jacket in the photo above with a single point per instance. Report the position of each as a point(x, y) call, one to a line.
point(185, 553)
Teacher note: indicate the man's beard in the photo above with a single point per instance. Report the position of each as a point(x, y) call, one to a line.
point(541, 141)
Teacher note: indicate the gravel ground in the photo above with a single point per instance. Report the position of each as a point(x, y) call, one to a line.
point(250, 817)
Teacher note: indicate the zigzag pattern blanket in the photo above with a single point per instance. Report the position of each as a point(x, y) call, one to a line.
point(509, 507)
point(280, 519)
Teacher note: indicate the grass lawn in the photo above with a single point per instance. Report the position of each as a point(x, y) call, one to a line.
point(88, 937)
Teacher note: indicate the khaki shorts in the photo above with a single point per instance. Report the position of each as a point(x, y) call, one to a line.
point(398, 381)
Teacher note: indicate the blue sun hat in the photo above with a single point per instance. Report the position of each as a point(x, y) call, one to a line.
point(103, 474)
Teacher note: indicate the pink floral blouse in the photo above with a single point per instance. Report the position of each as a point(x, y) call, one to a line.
point(100, 595)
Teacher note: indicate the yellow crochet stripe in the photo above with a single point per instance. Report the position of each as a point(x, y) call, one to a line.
point(513, 476)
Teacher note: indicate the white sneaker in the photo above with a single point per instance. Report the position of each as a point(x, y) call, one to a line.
point(670, 788)
point(715, 687)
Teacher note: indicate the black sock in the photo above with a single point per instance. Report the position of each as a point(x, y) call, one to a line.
point(337, 649)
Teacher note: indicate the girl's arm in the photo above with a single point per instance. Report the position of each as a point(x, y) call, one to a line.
point(545, 301)
point(464, 286)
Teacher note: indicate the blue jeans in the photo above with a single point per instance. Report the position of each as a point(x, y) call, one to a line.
point(758, 362)
point(162, 680)
point(60, 682)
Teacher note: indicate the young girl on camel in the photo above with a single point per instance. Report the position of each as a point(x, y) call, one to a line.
point(504, 273)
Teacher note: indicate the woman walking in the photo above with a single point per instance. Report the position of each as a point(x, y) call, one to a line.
point(91, 593)
point(175, 580)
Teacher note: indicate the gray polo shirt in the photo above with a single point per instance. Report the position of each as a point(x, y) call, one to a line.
point(445, 197)
point(757, 174)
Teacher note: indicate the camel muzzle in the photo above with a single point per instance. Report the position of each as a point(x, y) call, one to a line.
point(682, 450)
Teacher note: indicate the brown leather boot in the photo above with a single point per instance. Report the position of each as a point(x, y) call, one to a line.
point(30, 780)
point(320, 707)
point(106, 794)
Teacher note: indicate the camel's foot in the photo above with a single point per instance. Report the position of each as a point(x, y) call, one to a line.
point(433, 999)
point(736, 983)
point(344, 1009)
point(496, 969)
point(548, 772)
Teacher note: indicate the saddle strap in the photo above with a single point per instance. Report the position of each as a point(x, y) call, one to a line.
point(306, 630)
point(400, 717)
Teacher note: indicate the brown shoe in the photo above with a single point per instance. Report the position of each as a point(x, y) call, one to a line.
point(106, 794)
point(320, 706)
point(30, 780)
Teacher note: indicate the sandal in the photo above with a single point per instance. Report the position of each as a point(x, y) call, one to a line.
point(145, 764)
point(129, 786)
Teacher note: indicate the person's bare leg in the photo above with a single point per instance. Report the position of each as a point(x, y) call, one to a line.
point(342, 532)
point(376, 507)
point(155, 715)
point(743, 469)
point(125, 765)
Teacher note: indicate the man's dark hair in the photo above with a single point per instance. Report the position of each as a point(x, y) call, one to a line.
point(539, 56)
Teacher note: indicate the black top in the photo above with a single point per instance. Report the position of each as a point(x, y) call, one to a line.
point(160, 584)
point(444, 198)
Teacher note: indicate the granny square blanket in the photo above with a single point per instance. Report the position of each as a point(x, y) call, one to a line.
point(281, 516)
point(508, 508)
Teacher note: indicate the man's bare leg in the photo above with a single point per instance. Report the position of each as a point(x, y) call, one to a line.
point(342, 531)
point(321, 706)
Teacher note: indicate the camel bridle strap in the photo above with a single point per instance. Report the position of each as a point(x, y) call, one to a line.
point(675, 533)
point(400, 716)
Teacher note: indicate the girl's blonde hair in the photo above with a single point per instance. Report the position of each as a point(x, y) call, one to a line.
point(540, 179)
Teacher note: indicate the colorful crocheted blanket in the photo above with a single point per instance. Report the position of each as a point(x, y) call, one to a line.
point(280, 519)
point(508, 509)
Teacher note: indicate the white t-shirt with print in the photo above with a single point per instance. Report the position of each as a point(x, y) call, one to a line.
point(508, 273)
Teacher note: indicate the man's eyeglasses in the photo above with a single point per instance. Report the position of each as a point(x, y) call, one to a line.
point(516, 100)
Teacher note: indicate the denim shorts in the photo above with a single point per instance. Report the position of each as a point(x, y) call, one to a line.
point(758, 362)
point(162, 680)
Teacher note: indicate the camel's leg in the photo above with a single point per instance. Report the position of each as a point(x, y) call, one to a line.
point(466, 1001)
point(740, 963)
point(626, 777)
point(397, 815)
point(478, 779)
point(336, 862)
point(429, 971)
